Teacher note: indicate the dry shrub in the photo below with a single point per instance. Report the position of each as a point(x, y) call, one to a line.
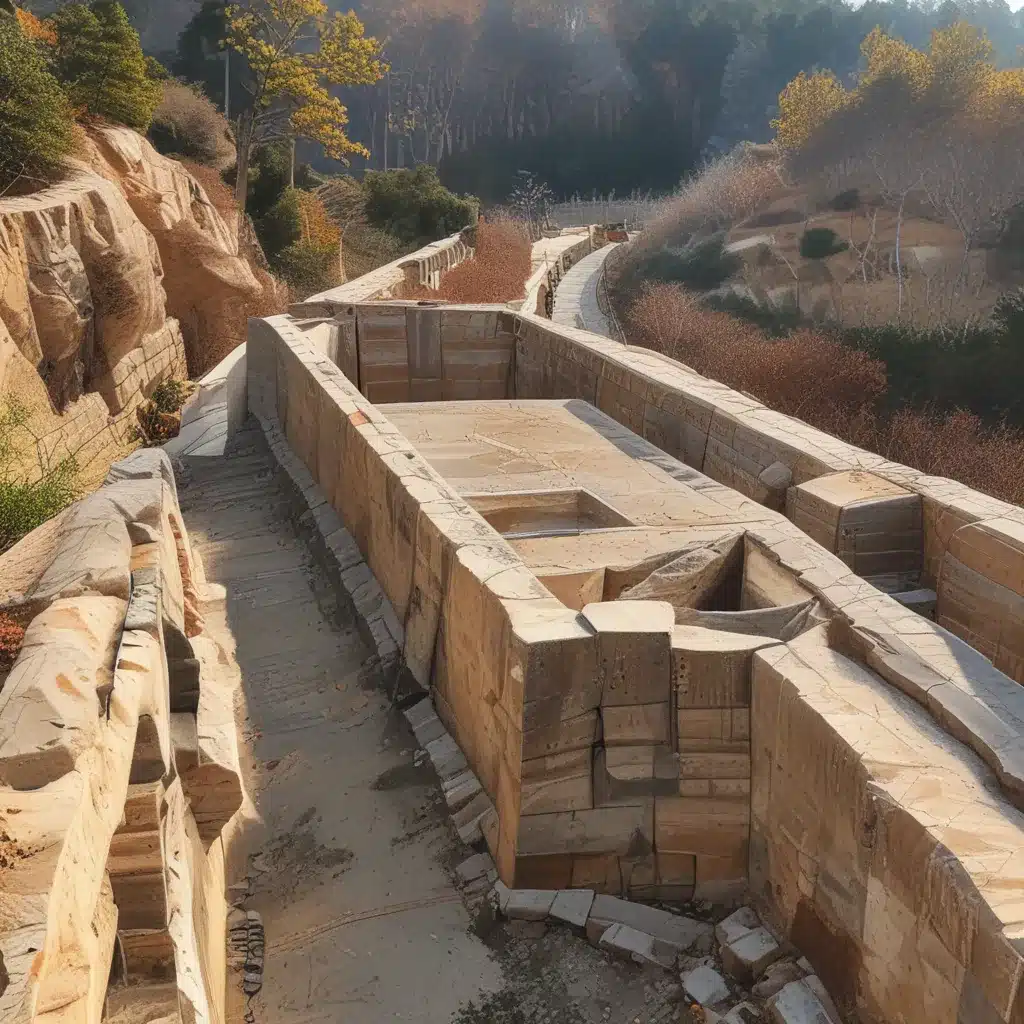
point(12, 635)
point(807, 375)
point(187, 124)
point(957, 445)
point(835, 388)
point(218, 192)
point(499, 269)
point(726, 191)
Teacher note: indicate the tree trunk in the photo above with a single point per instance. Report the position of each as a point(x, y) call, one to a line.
point(244, 155)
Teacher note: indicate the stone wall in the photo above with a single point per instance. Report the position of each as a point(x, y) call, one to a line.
point(415, 351)
point(423, 268)
point(850, 763)
point(118, 764)
point(553, 261)
point(971, 548)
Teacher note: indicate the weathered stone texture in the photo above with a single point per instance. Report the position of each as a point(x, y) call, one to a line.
point(99, 838)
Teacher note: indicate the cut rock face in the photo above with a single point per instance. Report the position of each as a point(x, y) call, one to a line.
point(52, 700)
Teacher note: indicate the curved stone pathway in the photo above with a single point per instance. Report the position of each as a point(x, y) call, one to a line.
point(576, 303)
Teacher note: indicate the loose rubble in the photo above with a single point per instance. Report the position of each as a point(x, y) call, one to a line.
point(758, 976)
point(736, 972)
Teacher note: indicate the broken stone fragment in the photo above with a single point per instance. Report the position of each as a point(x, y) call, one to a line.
point(528, 904)
point(743, 1013)
point(797, 1003)
point(446, 757)
point(572, 906)
point(746, 958)
point(676, 930)
point(425, 724)
point(469, 820)
point(706, 986)
point(777, 477)
point(638, 946)
point(736, 925)
point(478, 866)
point(776, 976)
point(460, 789)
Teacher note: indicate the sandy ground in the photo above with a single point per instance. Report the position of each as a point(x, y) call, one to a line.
point(351, 860)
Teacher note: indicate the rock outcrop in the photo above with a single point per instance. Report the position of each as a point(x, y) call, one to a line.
point(118, 766)
point(121, 276)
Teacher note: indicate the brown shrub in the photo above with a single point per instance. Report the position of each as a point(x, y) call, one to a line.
point(187, 124)
point(499, 269)
point(817, 379)
point(12, 635)
point(807, 375)
point(219, 193)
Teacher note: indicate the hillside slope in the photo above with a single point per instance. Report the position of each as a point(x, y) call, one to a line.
point(122, 276)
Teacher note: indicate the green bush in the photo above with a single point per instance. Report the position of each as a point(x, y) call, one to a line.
point(35, 120)
point(28, 501)
point(99, 60)
point(702, 264)
point(281, 225)
point(820, 243)
point(414, 206)
point(308, 268)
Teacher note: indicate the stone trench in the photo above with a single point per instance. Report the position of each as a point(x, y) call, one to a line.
point(364, 896)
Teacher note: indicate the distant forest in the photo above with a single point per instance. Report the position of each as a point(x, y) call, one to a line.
point(589, 95)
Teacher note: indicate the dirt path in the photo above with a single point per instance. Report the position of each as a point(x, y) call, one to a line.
point(362, 921)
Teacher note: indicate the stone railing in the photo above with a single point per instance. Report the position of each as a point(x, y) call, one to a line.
point(118, 764)
point(553, 259)
point(423, 268)
point(823, 745)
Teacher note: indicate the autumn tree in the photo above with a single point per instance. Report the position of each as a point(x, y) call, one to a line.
point(295, 52)
point(805, 105)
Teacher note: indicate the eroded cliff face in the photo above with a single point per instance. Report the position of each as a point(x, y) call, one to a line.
point(110, 282)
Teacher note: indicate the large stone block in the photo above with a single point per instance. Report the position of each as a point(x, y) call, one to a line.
point(711, 668)
point(633, 643)
point(872, 524)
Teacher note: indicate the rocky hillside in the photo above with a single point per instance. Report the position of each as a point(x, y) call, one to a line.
point(122, 276)
point(872, 263)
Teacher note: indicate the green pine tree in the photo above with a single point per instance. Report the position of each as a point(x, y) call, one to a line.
point(35, 120)
point(99, 59)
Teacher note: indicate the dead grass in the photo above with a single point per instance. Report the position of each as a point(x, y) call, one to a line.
point(187, 124)
point(840, 390)
point(498, 271)
point(725, 192)
point(219, 193)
